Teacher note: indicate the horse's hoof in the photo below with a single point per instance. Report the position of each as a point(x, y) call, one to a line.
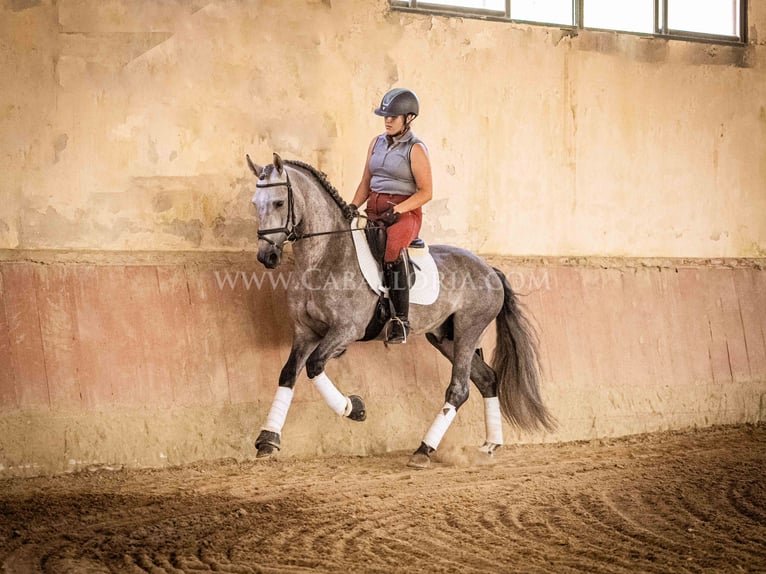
point(489, 448)
point(419, 460)
point(267, 443)
point(265, 451)
point(358, 413)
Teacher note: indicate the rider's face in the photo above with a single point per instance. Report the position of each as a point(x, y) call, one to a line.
point(394, 124)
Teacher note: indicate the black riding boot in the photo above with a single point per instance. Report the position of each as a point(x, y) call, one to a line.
point(397, 278)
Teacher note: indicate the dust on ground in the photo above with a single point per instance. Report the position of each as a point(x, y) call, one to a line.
point(692, 501)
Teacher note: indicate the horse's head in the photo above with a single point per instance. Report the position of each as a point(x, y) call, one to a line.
point(273, 199)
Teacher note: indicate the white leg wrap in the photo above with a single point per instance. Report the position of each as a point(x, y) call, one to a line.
point(440, 425)
point(493, 420)
point(278, 413)
point(332, 396)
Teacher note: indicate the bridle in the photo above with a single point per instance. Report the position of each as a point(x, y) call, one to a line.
point(290, 226)
point(289, 231)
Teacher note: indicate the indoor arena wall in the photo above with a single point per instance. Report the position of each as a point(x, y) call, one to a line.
point(617, 179)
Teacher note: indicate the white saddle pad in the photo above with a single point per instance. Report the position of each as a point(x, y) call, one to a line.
point(426, 288)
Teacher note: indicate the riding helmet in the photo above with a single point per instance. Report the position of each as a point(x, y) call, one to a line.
point(398, 102)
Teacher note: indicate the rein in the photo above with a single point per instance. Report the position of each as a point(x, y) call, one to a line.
point(289, 228)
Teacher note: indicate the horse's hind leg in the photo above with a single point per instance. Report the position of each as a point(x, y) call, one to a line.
point(485, 379)
point(482, 374)
point(457, 393)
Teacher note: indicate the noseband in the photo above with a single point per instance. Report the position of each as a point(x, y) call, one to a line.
point(289, 227)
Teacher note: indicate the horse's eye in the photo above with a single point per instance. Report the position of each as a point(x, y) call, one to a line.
point(279, 203)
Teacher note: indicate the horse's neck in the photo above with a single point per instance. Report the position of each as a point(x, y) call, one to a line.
point(322, 214)
point(324, 253)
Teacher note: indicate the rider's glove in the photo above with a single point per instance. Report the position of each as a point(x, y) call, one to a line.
point(351, 211)
point(389, 217)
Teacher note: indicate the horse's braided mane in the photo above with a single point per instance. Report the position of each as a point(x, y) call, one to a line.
point(328, 187)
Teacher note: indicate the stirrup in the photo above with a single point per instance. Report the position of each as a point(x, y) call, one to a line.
point(390, 327)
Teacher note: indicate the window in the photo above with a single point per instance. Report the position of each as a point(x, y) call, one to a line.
point(711, 20)
point(633, 16)
point(495, 5)
point(719, 17)
point(546, 11)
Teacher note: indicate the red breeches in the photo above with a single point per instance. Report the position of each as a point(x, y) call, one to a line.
point(401, 233)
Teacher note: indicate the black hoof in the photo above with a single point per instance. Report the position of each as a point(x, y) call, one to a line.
point(267, 443)
point(419, 461)
point(490, 448)
point(421, 458)
point(266, 451)
point(357, 409)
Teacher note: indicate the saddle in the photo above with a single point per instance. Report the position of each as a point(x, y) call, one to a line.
point(375, 232)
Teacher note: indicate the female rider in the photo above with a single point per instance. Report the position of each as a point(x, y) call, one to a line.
point(395, 184)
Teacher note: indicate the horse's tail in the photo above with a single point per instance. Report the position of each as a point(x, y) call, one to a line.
point(516, 362)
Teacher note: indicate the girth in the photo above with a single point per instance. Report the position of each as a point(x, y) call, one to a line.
point(380, 317)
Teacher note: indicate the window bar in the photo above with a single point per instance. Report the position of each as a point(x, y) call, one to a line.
point(743, 21)
point(577, 6)
point(508, 9)
point(657, 25)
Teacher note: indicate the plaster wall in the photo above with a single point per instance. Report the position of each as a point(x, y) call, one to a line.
point(157, 359)
point(125, 123)
point(618, 180)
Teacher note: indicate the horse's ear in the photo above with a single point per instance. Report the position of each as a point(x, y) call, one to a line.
point(256, 169)
point(278, 163)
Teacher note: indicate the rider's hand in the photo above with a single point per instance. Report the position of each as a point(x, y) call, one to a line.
point(389, 217)
point(352, 211)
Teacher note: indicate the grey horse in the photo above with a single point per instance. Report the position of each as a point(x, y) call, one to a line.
point(331, 306)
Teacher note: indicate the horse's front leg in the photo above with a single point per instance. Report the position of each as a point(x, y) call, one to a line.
point(333, 344)
point(269, 438)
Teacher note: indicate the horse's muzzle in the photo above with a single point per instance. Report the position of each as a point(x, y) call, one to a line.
point(270, 256)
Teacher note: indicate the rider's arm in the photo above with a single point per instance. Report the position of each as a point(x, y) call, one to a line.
point(421, 169)
point(363, 189)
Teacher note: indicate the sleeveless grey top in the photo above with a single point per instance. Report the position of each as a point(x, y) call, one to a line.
point(390, 166)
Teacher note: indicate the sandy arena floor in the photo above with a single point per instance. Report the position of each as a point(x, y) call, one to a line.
point(671, 502)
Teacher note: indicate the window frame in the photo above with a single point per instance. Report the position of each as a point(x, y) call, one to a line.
point(661, 29)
